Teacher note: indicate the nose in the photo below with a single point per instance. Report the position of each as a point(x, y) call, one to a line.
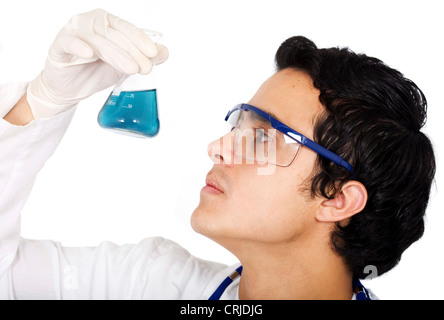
point(221, 151)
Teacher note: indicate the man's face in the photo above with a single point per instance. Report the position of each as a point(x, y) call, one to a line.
point(264, 207)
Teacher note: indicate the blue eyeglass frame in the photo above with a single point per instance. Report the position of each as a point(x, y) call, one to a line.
point(293, 134)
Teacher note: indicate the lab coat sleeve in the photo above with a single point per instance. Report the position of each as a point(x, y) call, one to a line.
point(154, 268)
point(23, 152)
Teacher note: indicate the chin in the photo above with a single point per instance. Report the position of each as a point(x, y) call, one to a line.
point(194, 220)
point(207, 222)
point(199, 219)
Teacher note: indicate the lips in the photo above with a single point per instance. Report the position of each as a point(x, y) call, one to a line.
point(211, 181)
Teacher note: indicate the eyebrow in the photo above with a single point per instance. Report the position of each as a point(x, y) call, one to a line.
point(263, 122)
point(270, 114)
point(274, 116)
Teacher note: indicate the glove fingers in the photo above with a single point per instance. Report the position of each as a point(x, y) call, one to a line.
point(113, 55)
point(141, 40)
point(119, 39)
point(162, 55)
point(66, 45)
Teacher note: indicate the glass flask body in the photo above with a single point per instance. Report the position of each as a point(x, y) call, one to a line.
point(131, 108)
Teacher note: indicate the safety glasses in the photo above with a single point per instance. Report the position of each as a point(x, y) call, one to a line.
point(262, 139)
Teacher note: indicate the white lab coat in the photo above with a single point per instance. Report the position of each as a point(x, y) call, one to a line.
point(154, 268)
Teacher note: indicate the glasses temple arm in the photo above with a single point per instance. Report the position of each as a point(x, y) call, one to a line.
point(326, 153)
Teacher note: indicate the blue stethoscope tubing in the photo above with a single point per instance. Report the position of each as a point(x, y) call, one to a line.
point(228, 280)
point(360, 291)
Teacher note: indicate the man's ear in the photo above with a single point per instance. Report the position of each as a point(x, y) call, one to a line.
point(350, 200)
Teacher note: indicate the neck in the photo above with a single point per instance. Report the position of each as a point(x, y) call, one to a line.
point(286, 272)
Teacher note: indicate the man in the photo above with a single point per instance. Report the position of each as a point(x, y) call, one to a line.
point(324, 174)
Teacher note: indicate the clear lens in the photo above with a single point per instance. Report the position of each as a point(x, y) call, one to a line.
point(255, 141)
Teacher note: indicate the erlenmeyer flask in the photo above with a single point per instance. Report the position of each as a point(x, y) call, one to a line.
point(131, 108)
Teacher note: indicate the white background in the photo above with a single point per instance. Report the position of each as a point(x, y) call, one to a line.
point(102, 186)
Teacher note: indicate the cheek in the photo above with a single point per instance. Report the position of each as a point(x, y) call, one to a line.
point(269, 208)
point(262, 208)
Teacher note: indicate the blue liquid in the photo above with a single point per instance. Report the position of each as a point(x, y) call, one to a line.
point(131, 112)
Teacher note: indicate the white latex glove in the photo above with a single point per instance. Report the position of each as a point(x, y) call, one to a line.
point(92, 52)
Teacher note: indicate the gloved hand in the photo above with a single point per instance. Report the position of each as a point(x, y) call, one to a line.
point(93, 51)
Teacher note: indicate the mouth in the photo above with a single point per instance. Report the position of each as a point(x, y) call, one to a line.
point(212, 186)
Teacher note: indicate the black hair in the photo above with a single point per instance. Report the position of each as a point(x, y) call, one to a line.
point(373, 117)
